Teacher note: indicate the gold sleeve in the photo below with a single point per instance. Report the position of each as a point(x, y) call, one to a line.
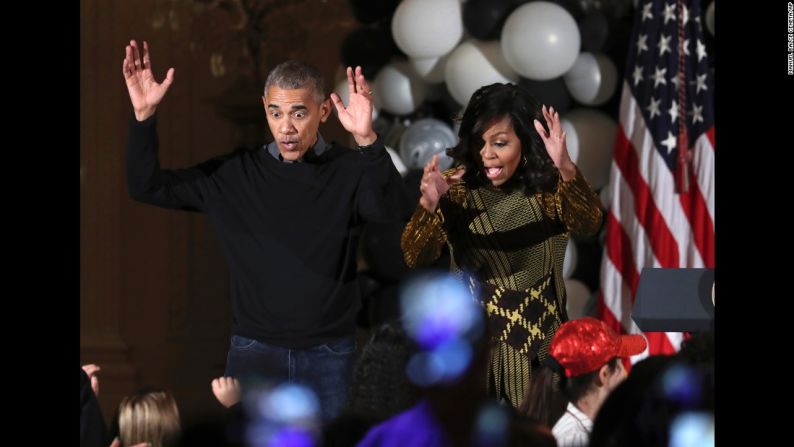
point(423, 237)
point(576, 204)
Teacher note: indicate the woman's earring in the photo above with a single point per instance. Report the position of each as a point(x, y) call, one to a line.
point(525, 161)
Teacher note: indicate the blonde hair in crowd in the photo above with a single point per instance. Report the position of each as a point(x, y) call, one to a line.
point(149, 415)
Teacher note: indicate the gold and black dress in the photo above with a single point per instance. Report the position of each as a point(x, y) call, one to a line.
point(514, 245)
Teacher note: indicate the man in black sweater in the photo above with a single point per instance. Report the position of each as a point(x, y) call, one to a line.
point(288, 216)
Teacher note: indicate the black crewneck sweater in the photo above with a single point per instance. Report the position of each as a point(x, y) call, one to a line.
point(289, 230)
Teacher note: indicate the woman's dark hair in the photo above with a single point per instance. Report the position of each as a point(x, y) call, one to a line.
point(574, 388)
point(491, 103)
point(550, 391)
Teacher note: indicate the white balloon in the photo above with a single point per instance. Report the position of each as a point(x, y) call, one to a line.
point(578, 298)
point(399, 89)
point(593, 79)
point(344, 94)
point(590, 135)
point(430, 69)
point(397, 161)
point(710, 18)
point(425, 138)
point(425, 29)
point(569, 263)
point(474, 64)
point(540, 40)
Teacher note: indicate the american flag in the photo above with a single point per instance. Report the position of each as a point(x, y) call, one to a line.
point(661, 210)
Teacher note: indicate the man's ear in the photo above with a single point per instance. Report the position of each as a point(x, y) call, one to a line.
point(603, 375)
point(325, 110)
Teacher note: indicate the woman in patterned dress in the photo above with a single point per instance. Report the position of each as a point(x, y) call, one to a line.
point(505, 211)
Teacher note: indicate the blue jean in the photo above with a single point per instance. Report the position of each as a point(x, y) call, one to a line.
point(324, 368)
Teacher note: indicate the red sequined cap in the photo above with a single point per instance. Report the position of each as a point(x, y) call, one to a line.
point(586, 344)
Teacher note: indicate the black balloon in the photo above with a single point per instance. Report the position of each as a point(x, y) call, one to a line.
point(572, 6)
point(484, 19)
point(579, 9)
point(612, 8)
point(372, 47)
point(594, 30)
point(551, 93)
point(369, 11)
point(619, 32)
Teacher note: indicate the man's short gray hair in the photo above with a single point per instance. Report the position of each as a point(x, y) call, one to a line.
point(294, 74)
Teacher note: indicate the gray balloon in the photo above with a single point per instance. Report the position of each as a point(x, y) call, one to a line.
point(425, 138)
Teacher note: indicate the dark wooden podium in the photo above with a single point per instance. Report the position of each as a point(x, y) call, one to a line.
point(674, 300)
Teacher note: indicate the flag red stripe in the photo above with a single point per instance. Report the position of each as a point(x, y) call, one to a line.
point(662, 240)
point(619, 250)
point(694, 206)
point(658, 343)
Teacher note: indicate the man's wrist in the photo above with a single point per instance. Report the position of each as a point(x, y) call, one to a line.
point(143, 114)
point(366, 140)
